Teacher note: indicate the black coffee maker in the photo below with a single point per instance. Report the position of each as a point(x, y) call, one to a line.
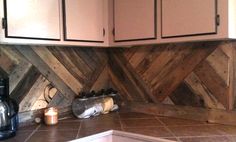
point(8, 111)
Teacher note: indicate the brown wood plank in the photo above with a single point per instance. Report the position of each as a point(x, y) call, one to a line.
point(102, 81)
point(6, 63)
point(88, 57)
point(139, 55)
point(184, 96)
point(32, 57)
point(222, 117)
point(199, 88)
point(213, 82)
point(167, 84)
point(129, 52)
point(219, 61)
point(183, 112)
point(232, 74)
point(59, 53)
point(21, 68)
point(59, 100)
point(78, 61)
point(115, 83)
point(101, 53)
point(166, 57)
point(24, 86)
point(93, 78)
point(17, 74)
point(127, 75)
point(58, 68)
point(34, 93)
point(147, 62)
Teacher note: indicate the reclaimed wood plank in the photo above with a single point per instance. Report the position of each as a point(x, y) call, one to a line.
point(18, 73)
point(24, 86)
point(59, 53)
point(21, 68)
point(59, 100)
point(127, 75)
point(170, 82)
point(183, 112)
point(34, 93)
point(7, 64)
point(48, 73)
point(86, 56)
point(78, 61)
point(115, 83)
point(93, 77)
point(213, 82)
point(139, 55)
point(200, 89)
point(58, 68)
point(219, 61)
point(102, 80)
point(160, 62)
point(147, 62)
point(102, 54)
point(184, 96)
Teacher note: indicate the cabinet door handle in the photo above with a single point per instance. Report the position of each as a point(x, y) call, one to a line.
point(217, 20)
point(104, 32)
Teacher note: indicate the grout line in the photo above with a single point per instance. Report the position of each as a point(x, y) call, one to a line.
point(196, 125)
point(164, 125)
point(36, 129)
point(65, 129)
point(137, 118)
point(80, 125)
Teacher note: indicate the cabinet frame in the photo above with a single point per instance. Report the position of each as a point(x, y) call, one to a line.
point(20, 37)
point(189, 35)
point(139, 39)
point(65, 27)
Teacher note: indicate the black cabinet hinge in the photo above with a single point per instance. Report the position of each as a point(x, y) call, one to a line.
point(217, 20)
point(4, 23)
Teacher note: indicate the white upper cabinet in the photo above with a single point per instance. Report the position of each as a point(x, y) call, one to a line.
point(134, 20)
point(84, 20)
point(108, 23)
point(32, 19)
point(188, 17)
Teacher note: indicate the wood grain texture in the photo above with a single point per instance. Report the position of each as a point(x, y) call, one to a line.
point(198, 75)
point(68, 70)
point(191, 74)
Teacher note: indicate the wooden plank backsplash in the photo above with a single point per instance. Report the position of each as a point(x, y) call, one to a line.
point(190, 74)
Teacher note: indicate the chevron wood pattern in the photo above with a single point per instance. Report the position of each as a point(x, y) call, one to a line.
point(52, 76)
point(189, 74)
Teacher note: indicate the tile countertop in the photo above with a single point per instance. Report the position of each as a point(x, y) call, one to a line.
point(170, 128)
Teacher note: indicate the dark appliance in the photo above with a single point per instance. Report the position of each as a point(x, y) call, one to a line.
point(8, 111)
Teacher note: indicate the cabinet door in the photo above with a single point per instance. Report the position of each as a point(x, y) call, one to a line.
point(83, 20)
point(33, 19)
point(134, 20)
point(188, 17)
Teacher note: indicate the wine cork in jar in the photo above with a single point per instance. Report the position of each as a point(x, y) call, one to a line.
point(51, 116)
